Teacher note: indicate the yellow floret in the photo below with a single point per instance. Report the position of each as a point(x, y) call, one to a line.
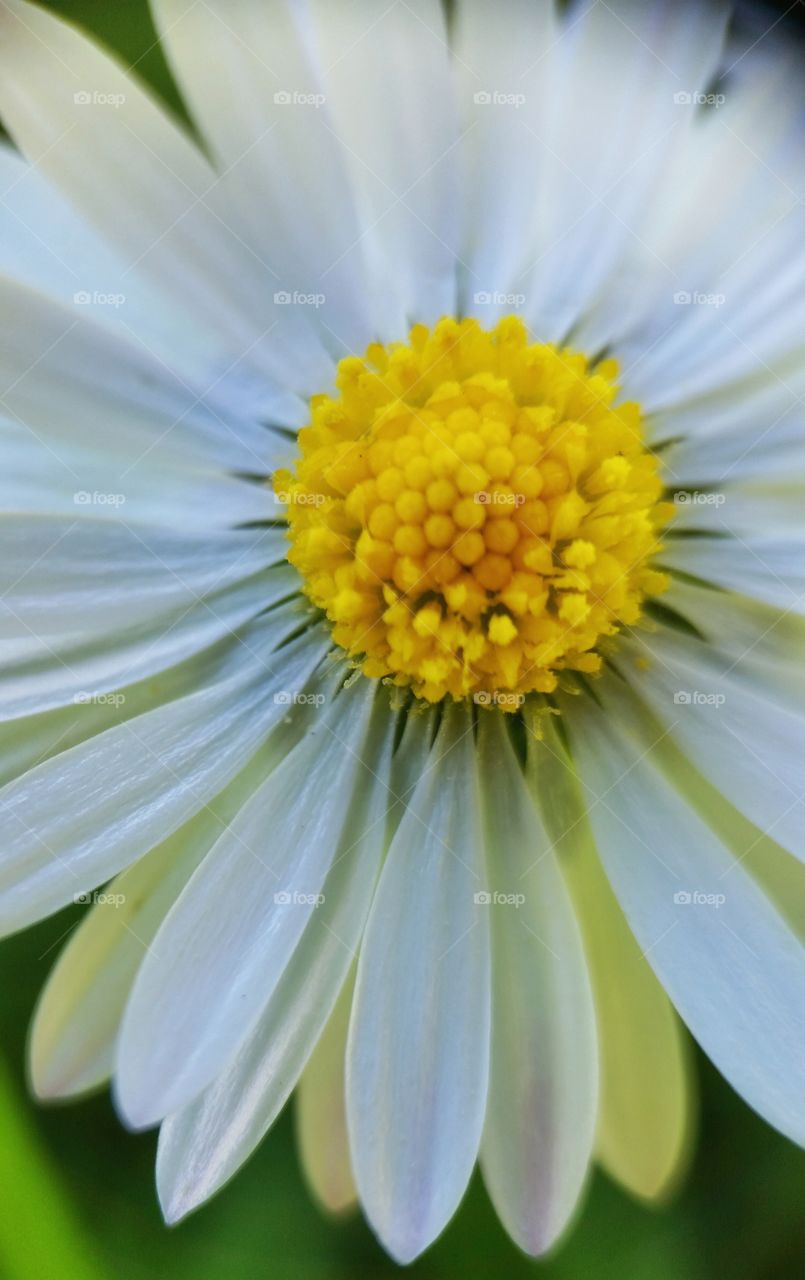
point(473, 512)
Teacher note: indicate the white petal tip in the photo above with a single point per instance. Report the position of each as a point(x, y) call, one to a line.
point(54, 1081)
point(52, 1087)
point(180, 1195)
point(338, 1204)
point(535, 1243)
point(175, 1208)
point(404, 1244)
point(133, 1111)
point(540, 1237)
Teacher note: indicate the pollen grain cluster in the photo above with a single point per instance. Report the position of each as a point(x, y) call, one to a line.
point(474, 512)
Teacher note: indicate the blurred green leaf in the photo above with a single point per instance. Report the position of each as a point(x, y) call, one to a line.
point(37, 1222)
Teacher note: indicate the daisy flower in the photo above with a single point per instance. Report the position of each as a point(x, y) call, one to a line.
point(402, 587)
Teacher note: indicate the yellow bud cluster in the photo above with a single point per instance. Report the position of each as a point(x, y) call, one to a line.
point(473, 512)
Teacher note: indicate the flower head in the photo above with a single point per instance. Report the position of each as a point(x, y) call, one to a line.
point(402, 587)
point(472, 513)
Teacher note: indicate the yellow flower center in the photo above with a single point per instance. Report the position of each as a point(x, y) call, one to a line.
point(473, 512)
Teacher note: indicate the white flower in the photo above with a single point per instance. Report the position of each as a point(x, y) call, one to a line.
point(463, 922)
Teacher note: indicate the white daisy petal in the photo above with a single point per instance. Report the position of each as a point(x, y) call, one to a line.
point(48, 247)
point(764, 642)
point(543, 1086)
point(224, 946)
point(29, 740)
point(502, 57)
point(721, 444)
point(76, 1021)
point(262, 107)
point(65, 378)
point(58, 577)
point(749, 745)
point(109, 800)
point(770, 569)
point(602, 158)
point(418, 1051)
point(713, 215)
point(117, 157)
point(90, 608)
point(78, 1017)
point(321, 1118)
point(201, 1146)
point(45, 245)
point(70, 480)
point(644, 1120)
point(71, 671)
point(728, 960)
point(386, 76)
point(751, 512)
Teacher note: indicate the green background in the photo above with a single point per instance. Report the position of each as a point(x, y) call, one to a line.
point(77, 1198)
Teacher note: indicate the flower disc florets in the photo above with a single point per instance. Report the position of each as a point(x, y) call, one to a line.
point(473, 512)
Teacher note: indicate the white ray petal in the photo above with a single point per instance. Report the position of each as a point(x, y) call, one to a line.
point(78, 818)
point(727, 959)
point(543, 1086)
point(223, 948)
point(203, 1145)
point(418, 1053)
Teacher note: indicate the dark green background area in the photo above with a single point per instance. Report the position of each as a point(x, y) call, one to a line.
point(77, 1198)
